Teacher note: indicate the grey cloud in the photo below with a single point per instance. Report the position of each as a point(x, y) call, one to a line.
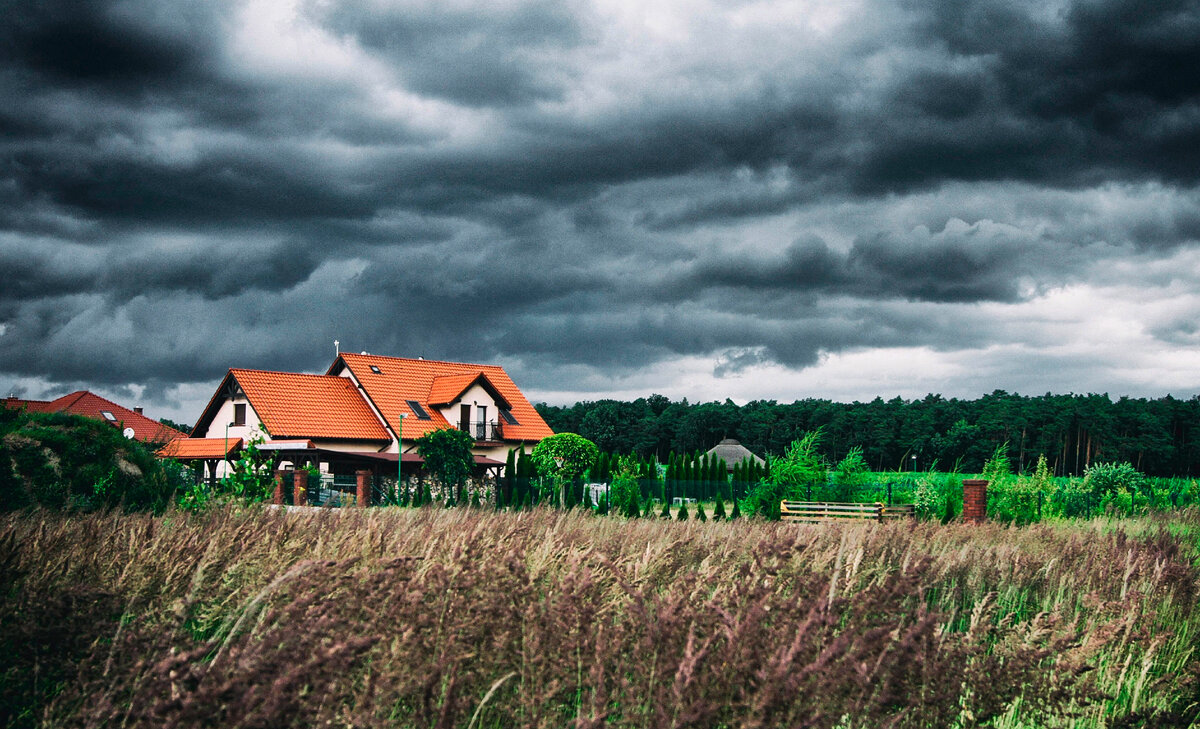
point(168, 210)
point(479, 56)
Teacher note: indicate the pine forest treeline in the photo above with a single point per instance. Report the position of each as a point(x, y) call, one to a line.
point(1160, 437)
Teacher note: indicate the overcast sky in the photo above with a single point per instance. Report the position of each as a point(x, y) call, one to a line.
point(755, 200)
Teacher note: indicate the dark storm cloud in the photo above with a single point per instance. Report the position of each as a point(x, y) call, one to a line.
point(479, 56)
point(90, 42)
point(188, 187)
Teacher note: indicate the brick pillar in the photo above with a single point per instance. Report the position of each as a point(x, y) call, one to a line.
point(277, 497)
point(974, 500)
point(363, 497)
point(300, 483)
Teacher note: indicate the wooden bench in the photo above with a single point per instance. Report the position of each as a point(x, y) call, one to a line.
point(820, 511)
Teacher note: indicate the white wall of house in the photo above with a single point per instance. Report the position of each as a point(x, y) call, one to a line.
point(481, 402)
point(225, 413)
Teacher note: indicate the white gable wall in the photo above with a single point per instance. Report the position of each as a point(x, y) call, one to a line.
point(477, 397)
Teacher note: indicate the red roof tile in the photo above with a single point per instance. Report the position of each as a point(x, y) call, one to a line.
point(400, 380)
point(91, 405)
point(187, 449)
point(293, 405)
point(33, 406)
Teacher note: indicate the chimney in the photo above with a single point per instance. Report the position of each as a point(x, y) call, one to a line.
point(137, 409)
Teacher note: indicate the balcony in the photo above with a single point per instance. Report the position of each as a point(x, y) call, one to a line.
point(484, 431)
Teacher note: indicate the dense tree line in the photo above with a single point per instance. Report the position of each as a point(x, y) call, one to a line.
point(1160, 437)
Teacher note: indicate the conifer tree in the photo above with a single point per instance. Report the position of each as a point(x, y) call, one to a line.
point(700, 515)
point(737, 512)
point(666, 510)
point(510, 476)
point(719, 509)
point(682, 514)
point(602, 507)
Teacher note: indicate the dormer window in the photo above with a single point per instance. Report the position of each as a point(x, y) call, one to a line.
point(108, 416)
point(507, 416)
point(376, 370)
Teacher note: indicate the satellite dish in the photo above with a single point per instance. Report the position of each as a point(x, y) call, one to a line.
point(128, 433)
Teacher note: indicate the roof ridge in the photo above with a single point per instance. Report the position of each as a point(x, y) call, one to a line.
point(422, 359)
point(282, 372)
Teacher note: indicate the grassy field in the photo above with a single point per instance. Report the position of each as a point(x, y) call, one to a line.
point(460, 618)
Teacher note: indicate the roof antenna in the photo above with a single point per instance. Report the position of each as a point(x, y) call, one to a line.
point(336, 349)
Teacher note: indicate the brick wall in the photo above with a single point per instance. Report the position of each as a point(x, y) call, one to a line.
point(974, 500)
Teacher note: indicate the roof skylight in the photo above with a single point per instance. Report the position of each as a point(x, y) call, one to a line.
point(108, 416)
point(418, 410)
point(376, 370)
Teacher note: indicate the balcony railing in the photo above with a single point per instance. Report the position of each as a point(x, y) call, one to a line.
point(484, 430)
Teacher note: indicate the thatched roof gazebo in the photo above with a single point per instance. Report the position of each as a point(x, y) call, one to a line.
point(732, 452)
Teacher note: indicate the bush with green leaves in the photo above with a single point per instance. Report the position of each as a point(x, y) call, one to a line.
point(564, 457)
point(625, 492)
point(998, 468)
point(929, 498)
point(850, 475)
point(448, 457)
point(791, 477)
point(1111, 478)
point(59, 460)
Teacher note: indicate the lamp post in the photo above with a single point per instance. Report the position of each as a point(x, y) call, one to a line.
point(400, 457)
point(914, 460)
point(226, 454)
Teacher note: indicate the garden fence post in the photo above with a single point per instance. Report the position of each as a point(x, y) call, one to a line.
point(889, 489)
point(363, 492)
point(975, 500)
point(300, 487)
point(277, 496)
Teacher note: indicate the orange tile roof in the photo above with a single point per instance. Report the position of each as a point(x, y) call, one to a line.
point(188, 449)
point(91, 405)
point(445, 389)
point(400, 380)
point(293, 405)
point(33, 406)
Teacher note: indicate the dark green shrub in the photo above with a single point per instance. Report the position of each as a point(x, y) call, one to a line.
point(58, 460)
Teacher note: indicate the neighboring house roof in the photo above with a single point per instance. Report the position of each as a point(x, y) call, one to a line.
point(294, 405)
point(33, 406)
point(93, 406)
point(400, 380)
point(732, 452)
point(188, 449)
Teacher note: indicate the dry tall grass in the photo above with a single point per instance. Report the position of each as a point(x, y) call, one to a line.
point(460, 618)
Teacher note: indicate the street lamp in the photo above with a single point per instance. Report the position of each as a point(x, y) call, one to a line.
point(400, 457)
point(226, 454)
point(914, 460)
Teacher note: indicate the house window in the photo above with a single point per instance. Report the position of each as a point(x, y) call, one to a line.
point(507, 416)
point(239, 414)
point(108, 416)
point(418, 410)
point(376, 370)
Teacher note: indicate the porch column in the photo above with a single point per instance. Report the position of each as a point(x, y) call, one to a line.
point(300, 491)
point(363, 496)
